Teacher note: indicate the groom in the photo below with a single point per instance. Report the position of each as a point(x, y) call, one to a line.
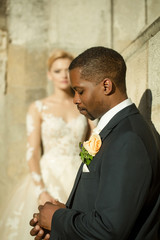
point(116, 196)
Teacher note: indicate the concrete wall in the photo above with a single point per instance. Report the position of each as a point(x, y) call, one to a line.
point(34, 28)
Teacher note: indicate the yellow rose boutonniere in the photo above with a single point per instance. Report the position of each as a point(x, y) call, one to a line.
point(90, 148)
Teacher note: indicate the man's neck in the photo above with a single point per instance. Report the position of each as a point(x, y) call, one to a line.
point(110, 114)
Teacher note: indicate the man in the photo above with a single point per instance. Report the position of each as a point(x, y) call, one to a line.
point(116, 196)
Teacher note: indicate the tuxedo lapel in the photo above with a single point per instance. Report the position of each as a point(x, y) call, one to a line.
point(69, 201)
point(132, 109)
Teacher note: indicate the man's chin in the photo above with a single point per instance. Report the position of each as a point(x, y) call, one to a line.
point(86, 114)
point(83, 112)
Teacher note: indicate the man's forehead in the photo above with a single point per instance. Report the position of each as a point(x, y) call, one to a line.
point(76, 84)
point(76, 70)
point(75, 76)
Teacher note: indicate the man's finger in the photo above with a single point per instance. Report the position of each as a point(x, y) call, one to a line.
point(47, 236)
point(35, 215)
point(40, 235)
point(34, 231)
point(40, 207)
point(33, 222)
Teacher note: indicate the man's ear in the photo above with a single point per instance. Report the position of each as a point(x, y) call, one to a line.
point(108, 86)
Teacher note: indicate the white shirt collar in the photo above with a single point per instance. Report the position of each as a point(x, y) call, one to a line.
point(110, 114)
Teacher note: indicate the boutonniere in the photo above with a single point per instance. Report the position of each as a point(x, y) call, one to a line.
point(90, 148)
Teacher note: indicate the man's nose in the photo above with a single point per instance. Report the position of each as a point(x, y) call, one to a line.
point(76, 99)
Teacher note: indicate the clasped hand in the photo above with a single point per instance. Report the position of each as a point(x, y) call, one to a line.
point(41, 222)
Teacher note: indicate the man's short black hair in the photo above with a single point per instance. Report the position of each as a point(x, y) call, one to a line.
point(98, 63)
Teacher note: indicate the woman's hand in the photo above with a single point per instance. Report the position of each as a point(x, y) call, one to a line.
point(45, 197)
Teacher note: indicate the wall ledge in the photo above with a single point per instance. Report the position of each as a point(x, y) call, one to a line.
point(147, 34)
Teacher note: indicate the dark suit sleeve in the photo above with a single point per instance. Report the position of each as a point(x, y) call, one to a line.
point(124, 182)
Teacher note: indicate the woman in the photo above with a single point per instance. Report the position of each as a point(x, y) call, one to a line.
point(54, 129)
point(56, 121)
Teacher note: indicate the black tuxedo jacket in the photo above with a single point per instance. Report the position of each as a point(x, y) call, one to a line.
point(119, 198)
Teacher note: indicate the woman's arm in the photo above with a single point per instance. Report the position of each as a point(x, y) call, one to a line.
point(34, 151)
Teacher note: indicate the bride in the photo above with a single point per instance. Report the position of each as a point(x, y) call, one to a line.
point(54, 130)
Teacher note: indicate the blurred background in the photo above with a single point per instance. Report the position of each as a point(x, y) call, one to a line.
point(30, 30)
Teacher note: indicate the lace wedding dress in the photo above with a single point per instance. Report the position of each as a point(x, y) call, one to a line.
point(59, 164)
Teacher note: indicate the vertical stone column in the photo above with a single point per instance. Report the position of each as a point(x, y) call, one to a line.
point(3, 73)
point(3, 60)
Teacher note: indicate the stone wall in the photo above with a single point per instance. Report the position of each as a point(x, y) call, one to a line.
point(131, 18)
point(34, 28)
point(136, 34)
point(143, 75)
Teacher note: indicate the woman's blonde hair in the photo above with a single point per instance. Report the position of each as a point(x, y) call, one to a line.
point(58, 53)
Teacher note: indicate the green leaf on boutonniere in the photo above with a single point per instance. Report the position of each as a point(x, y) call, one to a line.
point(85, 156)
